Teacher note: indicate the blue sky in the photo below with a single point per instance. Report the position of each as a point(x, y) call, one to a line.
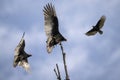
point(88, 58)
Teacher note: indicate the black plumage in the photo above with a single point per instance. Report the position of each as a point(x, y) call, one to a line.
point(20, 56)
point(52, 27)
point(97, 27)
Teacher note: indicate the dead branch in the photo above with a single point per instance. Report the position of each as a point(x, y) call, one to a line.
point(64, 61)
point(57, 72)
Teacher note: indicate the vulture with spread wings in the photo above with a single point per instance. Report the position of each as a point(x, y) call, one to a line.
point(97, 27)
point(51, 27)
point(20, 56)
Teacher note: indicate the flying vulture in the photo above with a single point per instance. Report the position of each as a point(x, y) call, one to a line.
point(54, 37)
point(97, 27)
point(20, 56)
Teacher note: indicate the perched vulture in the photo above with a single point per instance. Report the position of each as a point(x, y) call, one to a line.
point(20, 56)
point(51, 27)
point(97, 27)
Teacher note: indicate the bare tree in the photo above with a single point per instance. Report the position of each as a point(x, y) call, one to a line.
point(57, 72)
point(65, 66)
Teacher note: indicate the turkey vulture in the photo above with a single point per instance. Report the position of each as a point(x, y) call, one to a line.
point(51, 27)
point(20, 56)
point(97, 27)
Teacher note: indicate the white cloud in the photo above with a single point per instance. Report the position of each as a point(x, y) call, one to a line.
point(75, 18)
point(76, 57)
point(8, 38)
point(114, 57)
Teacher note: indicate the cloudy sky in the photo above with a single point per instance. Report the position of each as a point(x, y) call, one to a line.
point(88, 58)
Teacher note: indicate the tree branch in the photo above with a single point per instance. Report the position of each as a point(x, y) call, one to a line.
point(64, 61)
point(57, 72)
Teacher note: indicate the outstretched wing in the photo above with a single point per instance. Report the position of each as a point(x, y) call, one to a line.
point(51, 27)
point(91, 32)
point(20, 47)
point(101, 22)
point(97, 27)
point(51, 20)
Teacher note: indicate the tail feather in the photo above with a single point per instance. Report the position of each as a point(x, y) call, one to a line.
point(25, 65)
point(101, 32)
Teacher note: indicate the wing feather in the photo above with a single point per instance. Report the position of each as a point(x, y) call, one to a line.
point(18, 51)
point(101, 22)
point(91, 32)
point(51, 27)
point(51, 20)
point(97, 27)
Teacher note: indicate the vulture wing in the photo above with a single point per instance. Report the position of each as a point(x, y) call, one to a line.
point(51, 27)
point(101, 22)
point(18, 51)
point(97, 27)
point(51, 20)
point(91, 32)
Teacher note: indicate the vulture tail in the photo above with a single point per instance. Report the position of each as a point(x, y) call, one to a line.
point(101, 32)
